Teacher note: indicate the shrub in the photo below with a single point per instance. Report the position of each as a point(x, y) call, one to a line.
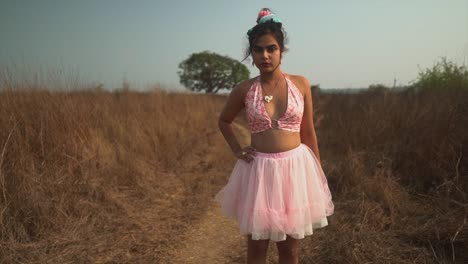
point(442, 76)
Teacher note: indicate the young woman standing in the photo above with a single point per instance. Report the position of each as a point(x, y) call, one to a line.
point(277, 190)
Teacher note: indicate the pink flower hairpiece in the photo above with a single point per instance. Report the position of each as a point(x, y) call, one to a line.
point(264, 16)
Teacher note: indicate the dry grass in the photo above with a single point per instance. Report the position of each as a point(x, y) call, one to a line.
point(98, 177)
point(398, 167)
point(94, 176)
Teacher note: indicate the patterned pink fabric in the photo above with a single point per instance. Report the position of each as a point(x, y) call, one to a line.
point(257, 115)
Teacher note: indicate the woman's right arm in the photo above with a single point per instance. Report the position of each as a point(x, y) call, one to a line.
point(233, 106)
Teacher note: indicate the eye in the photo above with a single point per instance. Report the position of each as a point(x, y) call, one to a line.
point(272, 49)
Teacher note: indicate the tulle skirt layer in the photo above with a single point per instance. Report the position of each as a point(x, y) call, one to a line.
point(278, 194)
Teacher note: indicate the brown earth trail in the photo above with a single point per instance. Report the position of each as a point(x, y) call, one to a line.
point(215, 238)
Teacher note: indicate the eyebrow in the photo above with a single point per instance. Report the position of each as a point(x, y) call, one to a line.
point(267, 47)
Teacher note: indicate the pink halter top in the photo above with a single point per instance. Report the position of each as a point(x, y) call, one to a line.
point(257, 115)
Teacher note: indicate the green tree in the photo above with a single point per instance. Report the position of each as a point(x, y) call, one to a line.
point(210, 72)
point(443, 75)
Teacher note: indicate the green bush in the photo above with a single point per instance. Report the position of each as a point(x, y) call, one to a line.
point(442, 76)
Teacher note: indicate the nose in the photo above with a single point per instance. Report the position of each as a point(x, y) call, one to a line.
point(265, 54)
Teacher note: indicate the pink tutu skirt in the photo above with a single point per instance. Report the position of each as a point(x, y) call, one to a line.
point(278, 194)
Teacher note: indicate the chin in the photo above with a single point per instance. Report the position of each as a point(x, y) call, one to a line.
point(267, 70)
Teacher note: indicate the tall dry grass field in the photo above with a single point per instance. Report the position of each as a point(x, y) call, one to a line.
point(397, 163)
point(101, 177)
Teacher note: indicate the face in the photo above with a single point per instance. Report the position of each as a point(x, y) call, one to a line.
point(266, 53)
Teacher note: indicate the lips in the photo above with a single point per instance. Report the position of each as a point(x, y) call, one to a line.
point(265, 64)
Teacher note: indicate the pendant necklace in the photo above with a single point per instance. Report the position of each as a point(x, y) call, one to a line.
point(268, 98)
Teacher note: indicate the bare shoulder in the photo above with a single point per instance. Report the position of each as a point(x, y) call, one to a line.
point(242, 88)
point(235, 101)
point(301, 82)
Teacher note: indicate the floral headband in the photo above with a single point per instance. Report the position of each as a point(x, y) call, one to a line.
point(263, 16)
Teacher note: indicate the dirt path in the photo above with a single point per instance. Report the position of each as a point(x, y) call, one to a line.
point(215, 238)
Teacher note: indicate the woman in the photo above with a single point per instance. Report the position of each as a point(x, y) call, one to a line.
point(277, 190)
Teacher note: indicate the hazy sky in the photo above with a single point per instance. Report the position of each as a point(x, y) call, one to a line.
point(337, 44)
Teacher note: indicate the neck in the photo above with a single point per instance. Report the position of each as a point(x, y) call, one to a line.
point(273, 76)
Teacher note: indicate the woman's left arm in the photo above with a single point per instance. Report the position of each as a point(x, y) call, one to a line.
point(308, 135)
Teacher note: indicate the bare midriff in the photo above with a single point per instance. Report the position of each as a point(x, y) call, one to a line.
point(275, 140)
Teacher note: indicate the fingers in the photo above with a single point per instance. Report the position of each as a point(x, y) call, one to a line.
point(247, 154)
point(247, 157)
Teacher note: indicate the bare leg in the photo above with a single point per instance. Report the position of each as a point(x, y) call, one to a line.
point(288, 251)
point(256, 250)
